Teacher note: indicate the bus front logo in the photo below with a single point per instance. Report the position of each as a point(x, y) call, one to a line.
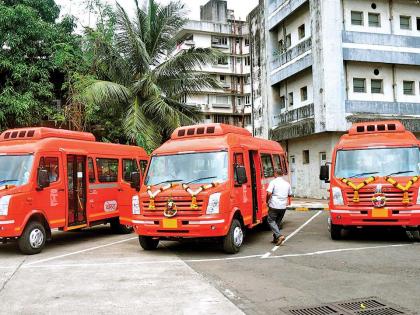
point(379, 198)
point(170, 210)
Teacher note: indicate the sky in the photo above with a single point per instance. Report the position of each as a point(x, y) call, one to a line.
point(78, 8)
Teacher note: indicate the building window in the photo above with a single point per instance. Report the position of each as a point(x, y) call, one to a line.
point(247, 60)
point(356, 18)
point(405, 22)
point(374, 19)
point(291, 99)
point(207, 116)
point(222, 78)
point(359, 85)
point(304, 94)
point(219, 40)
point(418, 23)
point(237, 40)
point(222, 99)
point(222, 60)
point(282, 48)
point(408, 87)
point(246, 41)
point(221, 119)
point(247, 99)
point(282, 102)
point(376, 86)
point(239, 100)
point(288, 41)
point(248, 120)
point(301, 31)
point(305, 156)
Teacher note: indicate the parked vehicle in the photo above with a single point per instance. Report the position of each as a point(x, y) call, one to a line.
point(52, 178)
point(207, 181)
point(374, 178)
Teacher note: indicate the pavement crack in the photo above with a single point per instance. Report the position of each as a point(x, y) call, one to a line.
point(11, 276)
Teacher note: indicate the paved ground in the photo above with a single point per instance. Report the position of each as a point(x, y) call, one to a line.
point(97, 272)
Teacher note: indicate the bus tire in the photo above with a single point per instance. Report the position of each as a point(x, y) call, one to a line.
point(233, 240)
point(119, 228)
point(148, 243)
point(335, 231)
point(33, 238)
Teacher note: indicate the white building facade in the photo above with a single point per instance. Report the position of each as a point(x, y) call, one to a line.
point(218, 29)
point(330, 63)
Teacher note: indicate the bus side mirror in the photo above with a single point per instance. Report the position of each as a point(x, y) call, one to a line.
point(324, 173)
point(43, 179)
point(240, 174)
point(135, 180)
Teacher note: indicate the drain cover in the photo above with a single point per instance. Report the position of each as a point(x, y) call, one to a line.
point(364, 306)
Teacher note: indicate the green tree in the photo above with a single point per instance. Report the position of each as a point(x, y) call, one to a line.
point(32, 48)
point(140, 73)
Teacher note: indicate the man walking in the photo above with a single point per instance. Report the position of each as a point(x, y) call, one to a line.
point(278, 192)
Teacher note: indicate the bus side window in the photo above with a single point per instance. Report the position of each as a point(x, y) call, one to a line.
point(278, 165)
point(129, 166)
point(91, 170)
point(107, 170)
point(51, 165)
point(238, 159)
point(267, 165)
point(284, 165)
point(143, 166)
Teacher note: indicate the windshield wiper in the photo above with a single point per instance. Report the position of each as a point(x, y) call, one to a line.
point(401, 172)
point(201, 178)
point(3, 181)
point(169, 181)
point(363, 174)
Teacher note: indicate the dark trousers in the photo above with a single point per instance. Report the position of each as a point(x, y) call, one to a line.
point(274, 218)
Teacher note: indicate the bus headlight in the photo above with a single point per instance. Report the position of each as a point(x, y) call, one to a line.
point(337, 196)
point(135, 205)
point(213, 206)
point(4, 205)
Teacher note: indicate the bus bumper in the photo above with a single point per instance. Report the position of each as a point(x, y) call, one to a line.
point(182, 227)
point(378, 217)
point(9, 229)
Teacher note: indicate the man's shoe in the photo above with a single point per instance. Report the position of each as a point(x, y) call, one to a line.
point(280, 240)
point(275, 240)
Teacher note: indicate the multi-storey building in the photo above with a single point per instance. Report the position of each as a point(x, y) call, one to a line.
point(330, 63)
point(219, 29)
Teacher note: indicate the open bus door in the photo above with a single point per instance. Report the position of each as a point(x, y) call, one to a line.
point(255, 186)
point(76, 185)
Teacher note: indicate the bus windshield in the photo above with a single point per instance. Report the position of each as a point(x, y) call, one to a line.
point(197, 168)
point(15, 169)
point(377, 162)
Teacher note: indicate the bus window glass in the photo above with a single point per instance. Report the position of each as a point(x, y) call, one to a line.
point(91, 171)
point(267, 165)
point(51, 165)
point(284, 165)
point(395, 162)
point(129, 166)
point(277, 164)
point(15, 169)
point(143, 166)
point(238, 160)
point(194, 168)
point(107, 170)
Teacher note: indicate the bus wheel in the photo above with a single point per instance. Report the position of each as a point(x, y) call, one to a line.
point(148, 243)
point(234, 239)
point(335, 231)
point(119, 228)
point(33, 239)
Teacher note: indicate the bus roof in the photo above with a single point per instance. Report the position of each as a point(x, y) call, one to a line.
point(197, 138)
point(49, 139)
point(390, 133)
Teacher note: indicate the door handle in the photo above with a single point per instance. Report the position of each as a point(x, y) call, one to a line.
point(120, 189)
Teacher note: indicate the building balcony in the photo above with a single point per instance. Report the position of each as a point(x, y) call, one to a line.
point(291, 53)
point(214, 28)
point(294, 115)
point(291, 68)
point(280, 9)
point(383, 108)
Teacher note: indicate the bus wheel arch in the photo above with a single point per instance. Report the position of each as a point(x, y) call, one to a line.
point(35, 234)
point(235, 236)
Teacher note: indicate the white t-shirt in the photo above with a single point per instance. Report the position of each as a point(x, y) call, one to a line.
point(280, 190)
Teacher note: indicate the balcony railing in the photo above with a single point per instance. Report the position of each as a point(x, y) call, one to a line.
point(295, 115)
point(291, 54)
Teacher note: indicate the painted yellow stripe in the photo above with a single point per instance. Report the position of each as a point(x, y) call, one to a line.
point(76, 227)
point(58, 221)
point(302, 209)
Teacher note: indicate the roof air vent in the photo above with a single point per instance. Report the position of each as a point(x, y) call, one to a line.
point(381, 127)
point(181, 133)
point(371, 128)
point(14, 134)
point(200, 130)
point(22, 134)
point(7, 135)
point(210, 129)
point(392, 127)
point(191, 131)
point(30, 133)
point(360, 128)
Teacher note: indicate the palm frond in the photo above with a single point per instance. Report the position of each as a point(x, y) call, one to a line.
point(188, 83)
point(187, 114)
point(104, 93)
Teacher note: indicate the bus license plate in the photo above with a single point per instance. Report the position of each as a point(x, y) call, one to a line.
point(379, 213)
point(170, 223)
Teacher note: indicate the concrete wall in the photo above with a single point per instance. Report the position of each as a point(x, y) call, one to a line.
point(306, 176)
point(292, 23)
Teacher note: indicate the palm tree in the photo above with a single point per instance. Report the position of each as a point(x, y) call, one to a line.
point(144, 75)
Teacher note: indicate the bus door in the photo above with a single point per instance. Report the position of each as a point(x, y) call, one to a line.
point(127, 193)
point(76, 185)
point(243, 193)
point(255, 186)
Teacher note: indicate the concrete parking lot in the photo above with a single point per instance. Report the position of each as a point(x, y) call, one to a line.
point(94, 271)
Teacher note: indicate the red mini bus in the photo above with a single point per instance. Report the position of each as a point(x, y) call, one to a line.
point(374, 178)
point(207, 181)
point(52, 178)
